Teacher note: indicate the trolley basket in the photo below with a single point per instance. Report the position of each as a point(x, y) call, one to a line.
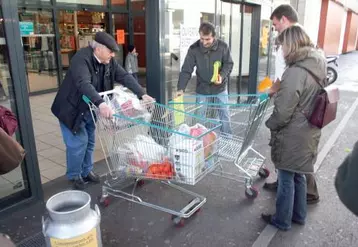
point(241, 116)
point(150, 144)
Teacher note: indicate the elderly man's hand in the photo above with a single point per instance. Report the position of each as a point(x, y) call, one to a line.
point(147, 98)
point(105, 110)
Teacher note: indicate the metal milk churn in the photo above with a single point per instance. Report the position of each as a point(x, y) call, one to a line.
point(72, 222)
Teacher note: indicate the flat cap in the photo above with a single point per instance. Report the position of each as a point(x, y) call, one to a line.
point(107, 40)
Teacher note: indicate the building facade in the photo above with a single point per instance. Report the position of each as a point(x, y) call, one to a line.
point(335, 28)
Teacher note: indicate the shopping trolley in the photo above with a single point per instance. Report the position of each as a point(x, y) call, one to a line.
point(154, 145)
point(241, 116)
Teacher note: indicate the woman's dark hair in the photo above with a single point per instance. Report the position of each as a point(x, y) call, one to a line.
point(207, 28)
point(285, 10)
point(131, 48)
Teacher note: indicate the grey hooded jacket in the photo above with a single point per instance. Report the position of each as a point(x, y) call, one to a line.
point(203, 59)
point(294, 141)
point(131, 63)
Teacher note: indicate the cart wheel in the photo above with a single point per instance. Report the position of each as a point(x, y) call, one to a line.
point(264, 172)
point(178, 221)
point(251, 193)
point(103, 201)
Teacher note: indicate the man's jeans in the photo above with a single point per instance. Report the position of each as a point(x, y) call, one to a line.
point(291, 202)
point(220, 103)
point(79, 148)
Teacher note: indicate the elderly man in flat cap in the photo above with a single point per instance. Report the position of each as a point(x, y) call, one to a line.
point(92, 70)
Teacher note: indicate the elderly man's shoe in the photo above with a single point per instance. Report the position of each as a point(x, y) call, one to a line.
point(92, 177)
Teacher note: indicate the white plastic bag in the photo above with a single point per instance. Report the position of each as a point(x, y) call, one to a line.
point(150, 150)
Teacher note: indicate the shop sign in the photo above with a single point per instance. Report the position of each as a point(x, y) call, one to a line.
point(120, 36)
point(26, 28)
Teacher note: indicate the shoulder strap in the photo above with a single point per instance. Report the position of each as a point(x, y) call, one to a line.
point(314, 76)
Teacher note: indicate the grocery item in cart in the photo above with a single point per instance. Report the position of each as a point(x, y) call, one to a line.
point(208, 140)
point(128, 104)
point(188, 158)
point(163, 170)
point(142, 151)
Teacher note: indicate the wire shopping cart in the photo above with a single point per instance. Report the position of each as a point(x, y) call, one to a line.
point(152, 145)
point(241, 116)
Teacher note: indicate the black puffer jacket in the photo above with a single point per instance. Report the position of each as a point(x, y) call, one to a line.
point(83, 78)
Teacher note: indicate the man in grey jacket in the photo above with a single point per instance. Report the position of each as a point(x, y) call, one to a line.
point(208, 54)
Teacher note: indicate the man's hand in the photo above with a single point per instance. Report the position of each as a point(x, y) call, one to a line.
point(147, 98)
point(219, 80)
point(105, 110)
point(179, 93)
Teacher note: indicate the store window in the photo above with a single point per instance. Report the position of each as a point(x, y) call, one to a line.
point(120, 31)
point(89, 2)
point(138, 5)
point(119, 3)
point(266, 44)
point(16, 181)
point(139, 36)
point(24, 2)
point(77, 29)
point(38, 39)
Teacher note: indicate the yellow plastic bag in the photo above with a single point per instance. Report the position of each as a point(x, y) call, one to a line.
point(179, 106)
point(264, 85)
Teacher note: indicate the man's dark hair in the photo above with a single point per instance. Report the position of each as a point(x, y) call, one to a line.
point(207, 28)
point(285, 10)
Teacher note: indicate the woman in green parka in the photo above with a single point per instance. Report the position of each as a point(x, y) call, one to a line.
point(294, 141)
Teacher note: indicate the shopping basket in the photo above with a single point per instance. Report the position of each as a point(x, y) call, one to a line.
point(151, 145)
point(241, 116)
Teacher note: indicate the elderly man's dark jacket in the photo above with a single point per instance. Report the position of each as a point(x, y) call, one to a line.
point(86, 76)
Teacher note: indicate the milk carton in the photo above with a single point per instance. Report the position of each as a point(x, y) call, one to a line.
point(188, 157)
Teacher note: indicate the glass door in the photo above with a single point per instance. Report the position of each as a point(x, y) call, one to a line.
point(38, 40)
point(14, 186)
point(230, 32)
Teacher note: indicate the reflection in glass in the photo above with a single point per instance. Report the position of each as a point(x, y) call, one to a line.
point(77, 29)
point(139, 43)
point(38, 39)
point(138, 5)
point(14, 181)
point(265, 45)
point(120, 24)
point(189, 14)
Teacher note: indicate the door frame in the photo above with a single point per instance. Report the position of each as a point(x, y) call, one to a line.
point(30, 169)
point(254, 43)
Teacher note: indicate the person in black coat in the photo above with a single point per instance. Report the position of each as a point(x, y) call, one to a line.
point(92, 70)
point(346, 181)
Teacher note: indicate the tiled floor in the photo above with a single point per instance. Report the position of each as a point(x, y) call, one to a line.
point(49, 143)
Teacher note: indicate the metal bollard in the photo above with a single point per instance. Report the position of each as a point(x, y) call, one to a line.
point(72, 222)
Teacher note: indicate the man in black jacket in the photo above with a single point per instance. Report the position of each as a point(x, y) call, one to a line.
point(92, 70)
point(206, 54)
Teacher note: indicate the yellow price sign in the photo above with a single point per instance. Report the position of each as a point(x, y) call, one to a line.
point(88, 239)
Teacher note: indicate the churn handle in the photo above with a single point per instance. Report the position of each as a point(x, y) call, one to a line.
point(97, 211)
point(43, 227)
